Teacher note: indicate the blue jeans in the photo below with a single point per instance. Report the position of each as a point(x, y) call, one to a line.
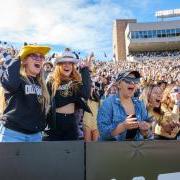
point(8, 135)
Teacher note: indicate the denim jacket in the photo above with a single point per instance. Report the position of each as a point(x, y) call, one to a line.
point(111, 113)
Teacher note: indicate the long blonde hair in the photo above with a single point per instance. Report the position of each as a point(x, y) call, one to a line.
point(2, 100)
point(45, 100)
point(146, 93)
point(167, 103)
point(57, 77)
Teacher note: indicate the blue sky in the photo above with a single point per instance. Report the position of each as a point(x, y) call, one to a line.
point(83, 25)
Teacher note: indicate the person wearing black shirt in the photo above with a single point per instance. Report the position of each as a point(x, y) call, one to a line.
point(25, 95)
point(69, 91)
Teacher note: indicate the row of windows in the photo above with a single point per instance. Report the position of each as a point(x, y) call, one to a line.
point(155, 33)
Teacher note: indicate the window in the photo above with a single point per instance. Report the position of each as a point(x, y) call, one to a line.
point(136, 34)
point(132, 35)
point(178, 32)
point(141, 34)
point(168, 32)
point(159, 34)
point(150, 34)
point(154, 34)
point(164, 33)
point(173, 33)
point(145, 34)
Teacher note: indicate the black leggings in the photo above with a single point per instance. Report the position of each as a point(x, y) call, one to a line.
point(66, 128)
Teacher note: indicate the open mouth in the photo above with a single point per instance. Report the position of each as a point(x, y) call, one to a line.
point(66, 70)
point(130, 88)
point(158, 101)
point(37, 66)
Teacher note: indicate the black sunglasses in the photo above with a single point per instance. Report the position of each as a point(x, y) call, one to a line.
point(130, 81)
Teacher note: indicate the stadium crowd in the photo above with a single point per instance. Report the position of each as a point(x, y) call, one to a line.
point(62, 97)
point(155, 55)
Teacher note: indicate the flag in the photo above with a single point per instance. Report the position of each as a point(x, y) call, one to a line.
point(105, 55)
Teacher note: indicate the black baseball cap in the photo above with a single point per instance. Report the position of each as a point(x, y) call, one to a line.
point(125, 74)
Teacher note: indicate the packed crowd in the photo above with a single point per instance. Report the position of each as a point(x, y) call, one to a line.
point(155, 55)
point(60, 97)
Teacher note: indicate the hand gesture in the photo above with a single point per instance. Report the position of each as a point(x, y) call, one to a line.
point(175, 124)
point(130, 122)
point(87, 62)
point(167, 127)
point(144, 127)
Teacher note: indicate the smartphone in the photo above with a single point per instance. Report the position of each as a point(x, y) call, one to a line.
point(130, 134)
point(134, 116)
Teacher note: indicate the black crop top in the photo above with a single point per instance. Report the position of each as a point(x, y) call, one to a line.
point(65, 95)
point(71, 92)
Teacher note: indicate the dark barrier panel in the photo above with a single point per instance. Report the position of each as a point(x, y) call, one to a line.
point(125, 160)
point(42, 161)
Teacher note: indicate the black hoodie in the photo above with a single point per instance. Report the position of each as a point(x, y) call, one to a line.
point(23, 112)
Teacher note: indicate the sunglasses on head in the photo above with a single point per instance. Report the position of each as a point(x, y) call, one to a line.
point(37, 57)
point(130, 80)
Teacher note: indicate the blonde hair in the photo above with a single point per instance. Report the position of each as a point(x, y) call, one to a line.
point(167, 103)
point(45, 99)
point(146, 93)
point(2, 100)
point(57, 77)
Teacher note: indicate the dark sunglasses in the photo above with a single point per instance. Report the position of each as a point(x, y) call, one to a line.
point(36, 57)
point(130, 81)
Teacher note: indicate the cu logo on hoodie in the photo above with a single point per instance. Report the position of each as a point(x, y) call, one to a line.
point(33, 89)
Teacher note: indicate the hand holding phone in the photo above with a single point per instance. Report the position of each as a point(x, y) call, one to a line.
point(132, 126)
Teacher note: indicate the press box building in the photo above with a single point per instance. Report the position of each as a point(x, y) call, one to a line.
point(129, 36)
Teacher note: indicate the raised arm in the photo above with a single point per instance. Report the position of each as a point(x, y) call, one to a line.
point(10, 78)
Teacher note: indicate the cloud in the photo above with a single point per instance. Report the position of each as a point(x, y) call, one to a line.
point(82, 24)
point(143, 5)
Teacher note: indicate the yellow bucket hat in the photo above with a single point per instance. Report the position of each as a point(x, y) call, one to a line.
point(30, 49)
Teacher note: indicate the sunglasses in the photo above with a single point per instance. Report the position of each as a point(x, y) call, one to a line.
point(130, 81)
point(36, 57)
